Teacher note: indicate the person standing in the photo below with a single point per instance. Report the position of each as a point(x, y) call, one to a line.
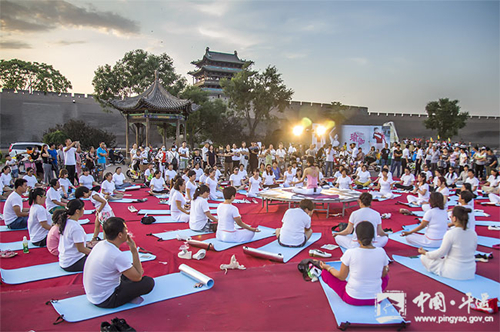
point(184, 156)
point(70, 158)
point(102, 154)
point(384, 155)
point(244, 155)
point(253, 156)
point(396, 162)
point(48, 174)
point(280, 157)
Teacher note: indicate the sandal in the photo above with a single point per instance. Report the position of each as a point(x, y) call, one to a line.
point(7, 253)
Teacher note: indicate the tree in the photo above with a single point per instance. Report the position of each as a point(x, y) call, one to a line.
point(133, 74)
point(32, 76)
point(253, 95)
point(56, 137)
point(78, 130)
point(445, 117)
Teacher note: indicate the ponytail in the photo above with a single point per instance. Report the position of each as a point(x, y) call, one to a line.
point(62, 217)
point(200, 191)
point(34, 193)
point(462, 215)
point(178, 183)
point(174, 180)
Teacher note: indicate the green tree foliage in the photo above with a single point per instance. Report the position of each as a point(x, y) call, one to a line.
point(57, 137)
point(32, 76)
point(78, 130)
point(254, 95)
point(445, 117)
point(211, 121)
point(133, 74)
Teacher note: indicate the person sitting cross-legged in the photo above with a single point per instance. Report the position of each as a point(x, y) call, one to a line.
point(109, 278)
point(296, 229)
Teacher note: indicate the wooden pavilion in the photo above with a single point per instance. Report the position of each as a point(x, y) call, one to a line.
point(155, 105)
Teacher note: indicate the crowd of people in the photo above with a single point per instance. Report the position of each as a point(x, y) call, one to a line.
point(191, 177)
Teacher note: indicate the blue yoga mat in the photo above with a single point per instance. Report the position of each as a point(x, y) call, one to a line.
point(487, 223)
point(182, 232)
point(166, 220)
point(125, 200)
point(346, 314)
point(286, 252)
point(163, 212)
point(381, 199)
point(476, 286)
point(76, 309)
point(236, 201)
point(484, 241)
point(162, 196)
point(265, 232)
point(19, 244)
point(46, 271)
point(7, 229)
point(476, 213)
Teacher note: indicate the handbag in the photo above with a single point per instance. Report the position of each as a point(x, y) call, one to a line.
point(307, 266)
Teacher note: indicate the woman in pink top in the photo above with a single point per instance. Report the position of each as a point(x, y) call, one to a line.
point(53, 236)
point(312, 175)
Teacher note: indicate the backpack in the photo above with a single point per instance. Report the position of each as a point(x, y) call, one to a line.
point(340, 227)
point(148, 220)
point(306, 266)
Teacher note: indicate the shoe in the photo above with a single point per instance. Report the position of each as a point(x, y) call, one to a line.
point(386, 216)
point(482, 258)
point(121, 325)
point(132, 209)
point(107, 327)
point(184, 254)
point(319, 253)
point(200, 254)
point(388, 230)
point(494, 228)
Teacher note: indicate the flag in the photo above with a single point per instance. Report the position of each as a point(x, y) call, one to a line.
point(438, 137)
point(432, 140)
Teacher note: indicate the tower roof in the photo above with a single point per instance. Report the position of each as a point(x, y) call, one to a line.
point(219, 56)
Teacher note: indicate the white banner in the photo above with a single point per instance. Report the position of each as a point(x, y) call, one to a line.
point(364, 136)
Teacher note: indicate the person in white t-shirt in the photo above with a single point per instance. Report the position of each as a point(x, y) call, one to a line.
point(108, 188)
point(14, 215)
point(183, 156)
point(421, 189)
point(70, 151)
point(218, 174)
point(347, 238)
point(344, 182)
point(296, 229)
point(110, 279)
point(200, 218)
point(466, 200)
point(435, 221)
point(474, 182)
point(288, 177)
point(119, 179)
point(198, 171)
point(330, 154)
point(236, 180)
point(54, 201)
point(170, 175)
point(367, 267)
point(6, 181)
point(406, 181)
point(72, 242)
point(66, 187)
point(243, 173)
point(86, 179)
point(31, 178)
point(254, 184)
point(178, 208)
point(384, 186)
point(230, 219)
point(440, 188)
point(103, 210)
point(211, 182)
point(39, 220)
point(492, 183)
point(158, 185)
point(455, 258)
point(451, 177)
point(363, 177)
point(191, 185)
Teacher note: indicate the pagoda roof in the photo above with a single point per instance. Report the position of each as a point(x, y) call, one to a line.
point(155, 98)
point(214, 69)
point(219, 56)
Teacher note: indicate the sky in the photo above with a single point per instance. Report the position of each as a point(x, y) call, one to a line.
point(389, 56)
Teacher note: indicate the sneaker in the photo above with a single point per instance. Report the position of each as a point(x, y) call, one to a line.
point(482, 258)
point(319, 253)
point(388, 230)
point(132, 209)
point(200, 254)
point(184, 254)
point(107, 327)
point(121, 325)
point(494, 228)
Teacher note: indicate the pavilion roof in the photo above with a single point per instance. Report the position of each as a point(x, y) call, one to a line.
point(220, 57)
point(155, 98)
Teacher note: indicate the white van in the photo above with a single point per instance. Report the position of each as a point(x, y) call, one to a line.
point(20, 148)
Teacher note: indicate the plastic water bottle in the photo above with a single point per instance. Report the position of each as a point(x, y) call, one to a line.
point(25, 245)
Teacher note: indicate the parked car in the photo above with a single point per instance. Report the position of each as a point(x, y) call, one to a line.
point(20, 148)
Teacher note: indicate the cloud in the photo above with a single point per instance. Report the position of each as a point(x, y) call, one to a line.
point(231, 37)
point(69, 42)
point(215, 8)
point(14, 45)
point(46, 15)
point(295, 55)
point(360, 61)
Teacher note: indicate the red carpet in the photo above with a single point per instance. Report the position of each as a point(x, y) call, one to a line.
point(267, 296)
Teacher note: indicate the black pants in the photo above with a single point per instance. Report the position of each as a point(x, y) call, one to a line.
point(127, 291)
point(71, 173)
point(76, 267)
point(400, 186)
point(42, 243)
point(418, 166)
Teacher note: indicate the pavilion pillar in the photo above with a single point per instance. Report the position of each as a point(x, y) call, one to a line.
point(147, 131)
point(136, 134)
point(127, 143)
point(185, 131)
point(164, 134)
point(177, 132)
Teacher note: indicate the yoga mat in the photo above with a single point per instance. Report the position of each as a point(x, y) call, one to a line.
point(162, 196)
point(485, 241)
point(19, 244)
point(166, 220)
point(169, 286)
point(236, 201)
point(265, 232)
point(47, 271)
point(127, 200)
point(487, 223)
point(476, 213)
point(288, 253)
point(89, 212)
point(164, 212)
point(7, 229)
point(381, 199)
point(346, 314)
point(476, 286)
point(182, 232)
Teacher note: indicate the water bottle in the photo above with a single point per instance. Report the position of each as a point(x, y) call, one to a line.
point(25, 245)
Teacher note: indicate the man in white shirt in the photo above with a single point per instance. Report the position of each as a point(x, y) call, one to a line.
point(280, 157)
point(365, 213)
point(70, 159)
point(184, 156)
point(245, 154)
point(330, 153)
point(14, 215)
point(109, 278)
point(204, 154)
point(296, 229)
point(407, 180)
point(170, 174)
point(474, 182)
point(236, 156)
point(406, 156)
